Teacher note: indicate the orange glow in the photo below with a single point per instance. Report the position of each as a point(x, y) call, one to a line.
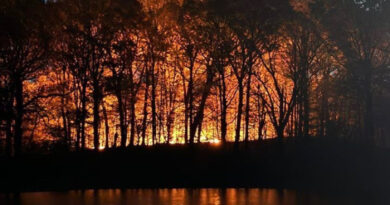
point(172, 76)
point(215, 141)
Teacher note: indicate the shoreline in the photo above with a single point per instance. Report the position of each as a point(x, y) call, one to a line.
point(298, 164)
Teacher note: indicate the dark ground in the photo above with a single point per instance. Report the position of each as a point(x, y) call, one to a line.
point(311, 164)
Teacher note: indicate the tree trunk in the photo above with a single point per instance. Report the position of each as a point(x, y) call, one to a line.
point(306, 115)
point(223, 109)
point(300, 116)
point(64, 121)
point(261, 116)
point(153, 105)
point(324, 112)
point(199, 115)
point(115, 139)
point(107, 127)
point(8, 140)
point(78, 129)
point(239, 110)
point(200, 129)
point(190, 108)
point(64, 114)
point(96, 116)
point(247, 105)
point(122, 120)
point(145, 110)
point(186, 122)
point(368, 113)
point(305, 102)
point(18, 116)
point(260, 130)
point(280, 132)
point(83, 115)
point(169, 129)
point(186, 108)
point(132, 119)
point(78, 116)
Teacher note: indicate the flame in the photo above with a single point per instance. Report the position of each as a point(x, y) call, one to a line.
point(215, 141)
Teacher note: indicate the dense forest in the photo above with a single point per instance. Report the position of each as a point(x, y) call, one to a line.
point(98, 74)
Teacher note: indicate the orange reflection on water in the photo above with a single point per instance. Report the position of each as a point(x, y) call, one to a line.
point(172, 197)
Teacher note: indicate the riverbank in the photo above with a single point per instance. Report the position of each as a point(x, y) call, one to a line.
point(310, 164)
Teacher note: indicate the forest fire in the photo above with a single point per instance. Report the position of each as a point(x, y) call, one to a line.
point(167, 74)
point(101, 78)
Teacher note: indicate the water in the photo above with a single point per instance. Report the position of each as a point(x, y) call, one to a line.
point(182, 197)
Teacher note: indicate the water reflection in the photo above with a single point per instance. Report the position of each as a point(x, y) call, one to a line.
point(174, 197)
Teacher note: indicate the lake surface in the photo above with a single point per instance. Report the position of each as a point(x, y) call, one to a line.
point(184, 197)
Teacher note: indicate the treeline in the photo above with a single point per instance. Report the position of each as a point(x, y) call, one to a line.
point(78, 74)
